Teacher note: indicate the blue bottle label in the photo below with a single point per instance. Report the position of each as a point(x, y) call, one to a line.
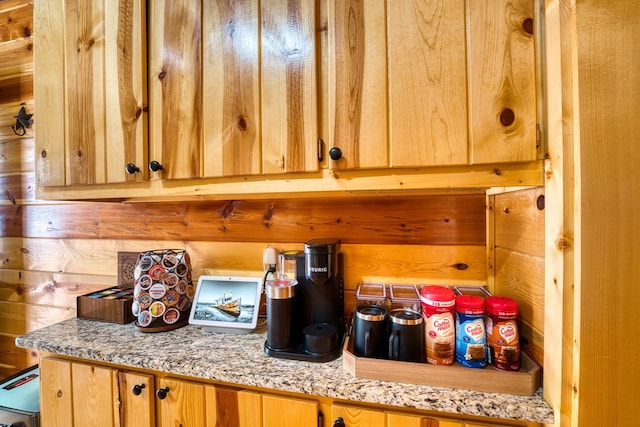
point(471, 340)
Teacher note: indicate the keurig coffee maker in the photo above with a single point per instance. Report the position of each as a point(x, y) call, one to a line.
point(318, 325)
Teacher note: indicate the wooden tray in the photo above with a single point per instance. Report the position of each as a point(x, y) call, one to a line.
point(109, 305)
point(524, 382)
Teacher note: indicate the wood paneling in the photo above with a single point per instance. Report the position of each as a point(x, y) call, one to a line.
point(16, 19)
point(16, 89)
point(396, 220)
point(372, 263)
point(518, 260)
point(16, 188)
point(16, 155)
point(16, 57)
point(10, 225)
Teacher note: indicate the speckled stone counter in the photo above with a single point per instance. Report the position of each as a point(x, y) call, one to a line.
point(240, 360)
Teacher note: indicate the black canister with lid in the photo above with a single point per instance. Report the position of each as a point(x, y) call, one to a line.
point(280, 312)
point(406, 335)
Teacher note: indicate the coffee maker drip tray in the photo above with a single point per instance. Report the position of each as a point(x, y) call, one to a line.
point(321, 342)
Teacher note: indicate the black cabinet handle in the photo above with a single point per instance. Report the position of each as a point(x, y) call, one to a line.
point(335, 153)
point(131, 168)
point(155, 166)
point(339, 422)
point(137, 389)
point(162, 392)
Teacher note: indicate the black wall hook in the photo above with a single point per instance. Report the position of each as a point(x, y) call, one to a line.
point(23, 122)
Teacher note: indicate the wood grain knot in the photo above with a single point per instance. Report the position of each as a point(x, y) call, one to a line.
point(460, 266)
point(527, 26)
point(59, 394)
point(80, 153)
point(540, 202)
point(43, 154)
point(242, 124)
point(563, 244)
point(507, 117)
point(162, 74)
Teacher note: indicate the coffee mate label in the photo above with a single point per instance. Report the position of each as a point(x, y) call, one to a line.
point(440, 338)
point(508, 332)
point(470, 341)
point(503, 343)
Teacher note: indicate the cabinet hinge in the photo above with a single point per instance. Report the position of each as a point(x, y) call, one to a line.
point(320, 149)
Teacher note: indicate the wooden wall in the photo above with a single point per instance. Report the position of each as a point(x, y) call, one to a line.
point(51, 252)
point(16, 163)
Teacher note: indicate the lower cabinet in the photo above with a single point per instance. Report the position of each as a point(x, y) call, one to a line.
point(343, 415)
point(79, 394)
point(280, 411)
point(74, 394)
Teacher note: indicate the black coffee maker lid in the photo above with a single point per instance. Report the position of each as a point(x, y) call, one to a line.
point(321, 246)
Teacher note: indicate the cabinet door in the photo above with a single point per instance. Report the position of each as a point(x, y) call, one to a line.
point(427, 81)
point(288, 412)
point(94, 395)
point(358, 84)
point(232, 407)
point(183, 403)
point(175, 78)
point(90, 89)
point(502, 81)
point(357, 417)
point(289, 85)
point(402, 420)
point(231, 88)
point(137, 405)
point(56, 404)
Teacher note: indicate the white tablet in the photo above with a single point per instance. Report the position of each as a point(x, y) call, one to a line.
point(227, 303)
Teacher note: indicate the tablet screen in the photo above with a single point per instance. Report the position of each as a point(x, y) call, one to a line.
point(227, 303)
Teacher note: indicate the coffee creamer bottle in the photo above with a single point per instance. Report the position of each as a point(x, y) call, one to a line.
point(503, 341)
point(471, 337)
point(438, 305)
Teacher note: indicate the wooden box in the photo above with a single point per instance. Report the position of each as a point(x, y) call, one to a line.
point(109, 305)
point(524, 382)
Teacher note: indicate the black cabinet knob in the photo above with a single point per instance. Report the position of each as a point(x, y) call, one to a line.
point(131, 168)
point(137, 389)
point(155, 166)
point(339, 422)
point(161, 393)
point(335, 153)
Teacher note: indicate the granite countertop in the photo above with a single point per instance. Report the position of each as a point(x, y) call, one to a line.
point(240, 360)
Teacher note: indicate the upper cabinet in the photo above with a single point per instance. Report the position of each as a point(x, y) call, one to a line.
point(90, 86)
point(232, 89)
point(431, 83)
point(219, 94)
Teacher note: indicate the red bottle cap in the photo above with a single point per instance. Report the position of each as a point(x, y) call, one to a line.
point(501, 306)
point(469, 304)
point(437, 295)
